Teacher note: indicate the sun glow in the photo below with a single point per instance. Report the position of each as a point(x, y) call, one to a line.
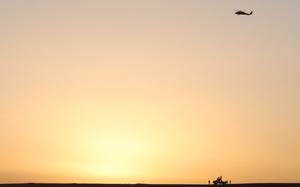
point(114, 155)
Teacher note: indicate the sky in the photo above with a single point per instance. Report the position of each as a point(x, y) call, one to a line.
point(151, 91)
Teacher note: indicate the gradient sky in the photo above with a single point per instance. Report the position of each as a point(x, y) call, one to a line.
point(152, 91)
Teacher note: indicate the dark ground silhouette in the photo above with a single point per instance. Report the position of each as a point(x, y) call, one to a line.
point(149, 185)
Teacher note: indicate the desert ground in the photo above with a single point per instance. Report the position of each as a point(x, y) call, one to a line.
point(149, 185)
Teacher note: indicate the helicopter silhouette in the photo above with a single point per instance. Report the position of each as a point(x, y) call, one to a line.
point(243, 13)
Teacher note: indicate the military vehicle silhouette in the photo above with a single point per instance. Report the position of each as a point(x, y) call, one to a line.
point(219, 181)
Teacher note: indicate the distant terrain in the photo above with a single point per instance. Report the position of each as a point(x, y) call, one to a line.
point(148, 185)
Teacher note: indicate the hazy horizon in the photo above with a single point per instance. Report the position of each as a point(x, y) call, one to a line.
point(131, 91)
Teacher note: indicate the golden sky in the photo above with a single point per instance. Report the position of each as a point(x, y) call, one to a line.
point(169, 91)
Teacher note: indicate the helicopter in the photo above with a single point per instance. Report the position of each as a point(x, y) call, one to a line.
point(243, 13)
